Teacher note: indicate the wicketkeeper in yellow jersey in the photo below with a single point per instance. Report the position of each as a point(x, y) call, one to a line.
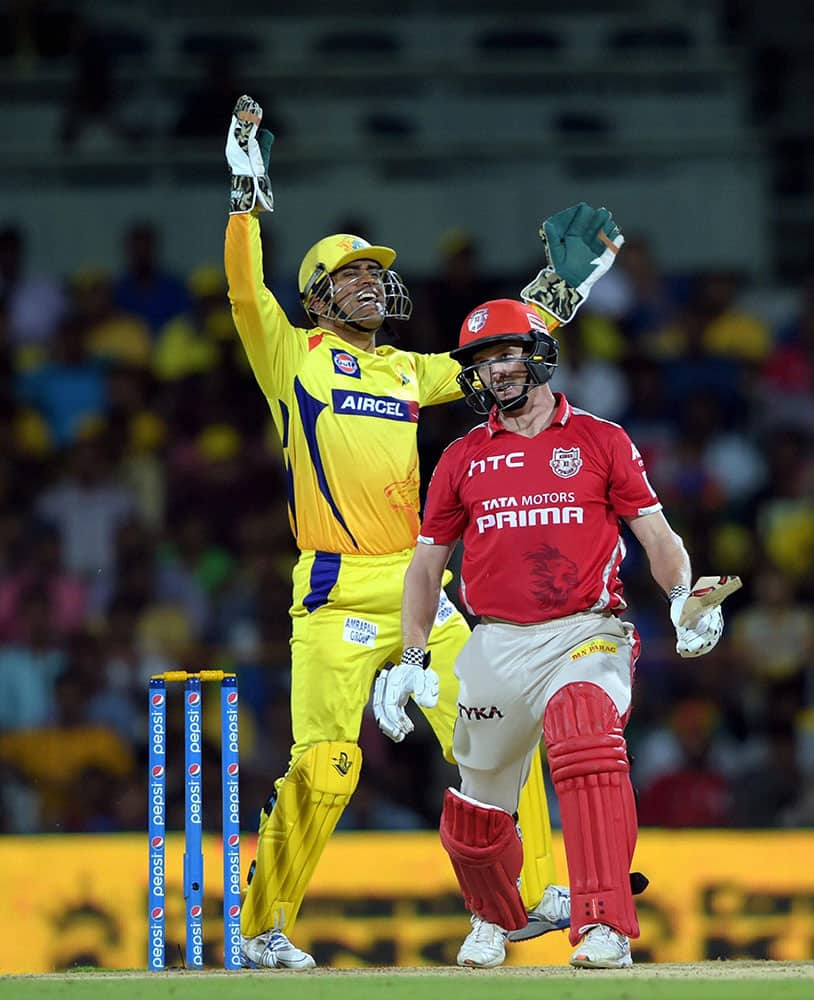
point(346, 411)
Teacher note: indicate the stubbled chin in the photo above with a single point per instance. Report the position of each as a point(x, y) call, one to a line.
point(376, 310)
point(375, 317)
point(371, 323)
point(509, 399)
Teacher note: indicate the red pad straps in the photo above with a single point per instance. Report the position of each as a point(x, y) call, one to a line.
point(589, 766)
point(487, 856)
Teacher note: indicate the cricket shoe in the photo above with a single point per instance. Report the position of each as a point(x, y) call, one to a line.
point(273, 950)
point(485, 945)
point(602, 948)
point(552, 913)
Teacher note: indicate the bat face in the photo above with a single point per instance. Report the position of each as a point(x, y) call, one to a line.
point(708, 592)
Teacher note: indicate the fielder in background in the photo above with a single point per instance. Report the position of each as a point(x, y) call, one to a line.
point(537, 494)
point(347, 411)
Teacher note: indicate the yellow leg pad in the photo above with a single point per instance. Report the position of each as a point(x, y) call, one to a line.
point(535, 826)
point(310, 800)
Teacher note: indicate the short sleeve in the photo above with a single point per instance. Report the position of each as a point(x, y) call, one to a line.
point(630, 492)
point(437, 378)
point(444, 514)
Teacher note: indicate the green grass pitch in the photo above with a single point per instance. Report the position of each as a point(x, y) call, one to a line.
point(702, 981)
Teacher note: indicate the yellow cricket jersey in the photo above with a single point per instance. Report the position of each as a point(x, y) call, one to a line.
point(347, 418)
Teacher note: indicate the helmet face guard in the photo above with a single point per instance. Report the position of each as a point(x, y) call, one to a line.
point(318, 287)
point(503, 321)
point(319, 298)
point(540, 360)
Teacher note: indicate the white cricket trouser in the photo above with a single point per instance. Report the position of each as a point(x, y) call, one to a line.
point(509, 673)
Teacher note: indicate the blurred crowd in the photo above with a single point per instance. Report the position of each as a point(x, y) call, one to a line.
point(110, 100)
point(143, 527)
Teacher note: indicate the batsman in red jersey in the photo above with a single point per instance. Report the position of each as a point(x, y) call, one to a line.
point(537, 494)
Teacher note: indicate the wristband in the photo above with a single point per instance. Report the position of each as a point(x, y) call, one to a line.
point(415, 656)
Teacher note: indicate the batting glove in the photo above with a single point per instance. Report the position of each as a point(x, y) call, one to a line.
point(393, 687)
point(581, 244)
point(696, 637)
point(248, 149)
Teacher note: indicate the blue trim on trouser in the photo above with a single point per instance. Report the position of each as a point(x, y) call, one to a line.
point(324, 574)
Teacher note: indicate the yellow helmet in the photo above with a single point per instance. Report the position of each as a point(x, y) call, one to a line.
point(334, 252)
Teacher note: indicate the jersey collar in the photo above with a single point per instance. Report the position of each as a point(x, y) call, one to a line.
point(317, 334)
point(562, 414)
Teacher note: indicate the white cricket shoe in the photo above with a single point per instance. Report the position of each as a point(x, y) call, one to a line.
point(273, 950)
point(602, 948)
point(552, 913)
point(485, 945)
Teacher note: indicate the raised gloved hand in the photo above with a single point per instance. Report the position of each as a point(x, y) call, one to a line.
point(393, 687)
point(699, 635)
point(581, 244)
point(248, 149)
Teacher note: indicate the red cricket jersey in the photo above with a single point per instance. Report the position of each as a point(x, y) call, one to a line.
point(539, 517)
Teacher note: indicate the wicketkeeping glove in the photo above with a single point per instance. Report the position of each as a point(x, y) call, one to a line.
point(581, 244)
point(699, 636)
point(393, 687)
point(248, 149)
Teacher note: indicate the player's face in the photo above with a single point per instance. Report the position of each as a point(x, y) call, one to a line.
point(502, 369)
point(359, 293)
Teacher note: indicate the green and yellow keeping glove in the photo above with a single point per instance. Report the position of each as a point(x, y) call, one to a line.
point(581, 244)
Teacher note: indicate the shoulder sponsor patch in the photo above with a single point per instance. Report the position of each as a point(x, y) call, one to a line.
point(595, 646)
point(363, 404)
point(345, 363)
point(360, 632)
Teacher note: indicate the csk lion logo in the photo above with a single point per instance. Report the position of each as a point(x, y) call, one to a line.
point(349, 243)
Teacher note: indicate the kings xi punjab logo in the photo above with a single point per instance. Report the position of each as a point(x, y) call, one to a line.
point(477, 320)
point(565, 462)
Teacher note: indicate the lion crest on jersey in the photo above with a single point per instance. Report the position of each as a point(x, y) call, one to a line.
point(565, 462)
point(477, 320)
point(553, 576)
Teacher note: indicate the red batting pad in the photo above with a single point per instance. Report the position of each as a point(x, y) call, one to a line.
point(487, 856)
point(587, 756)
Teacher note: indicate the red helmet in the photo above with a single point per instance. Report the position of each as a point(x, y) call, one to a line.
point(504, 321)
point(495, 321)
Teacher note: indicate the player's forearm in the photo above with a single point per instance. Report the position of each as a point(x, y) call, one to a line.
point(422, 586)
point(669, 562)
point(666, 554)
